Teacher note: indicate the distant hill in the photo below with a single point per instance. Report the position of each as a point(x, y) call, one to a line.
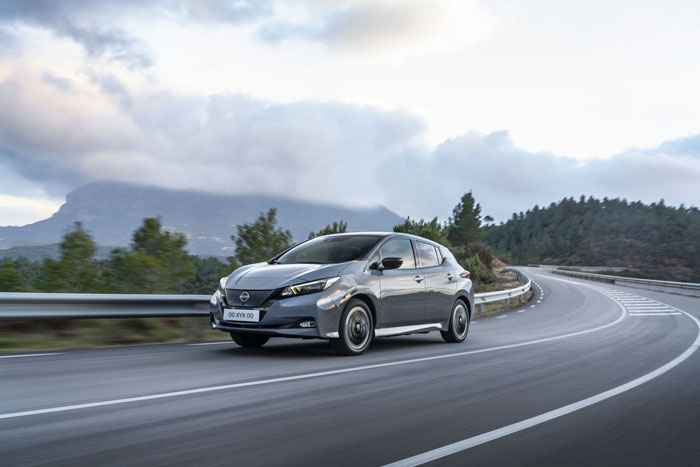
point(655, 240)
point(112, 211)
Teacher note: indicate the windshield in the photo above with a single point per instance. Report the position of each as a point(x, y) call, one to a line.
point(330, 250)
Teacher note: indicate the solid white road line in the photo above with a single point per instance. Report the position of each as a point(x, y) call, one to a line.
point(551, 415)
point(319, 374)
point(31, 355)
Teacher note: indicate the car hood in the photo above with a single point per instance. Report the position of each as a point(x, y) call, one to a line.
point(272, 276)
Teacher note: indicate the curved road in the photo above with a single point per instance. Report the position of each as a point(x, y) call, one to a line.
point(585, 373)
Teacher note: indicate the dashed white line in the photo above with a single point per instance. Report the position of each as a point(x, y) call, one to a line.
point(533, 306)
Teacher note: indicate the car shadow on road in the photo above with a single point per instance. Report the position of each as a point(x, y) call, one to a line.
point(292, 348)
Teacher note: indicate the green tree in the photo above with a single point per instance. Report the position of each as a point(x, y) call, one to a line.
point(76, 270)
point(432, 230)
point(10, 278)
point(157, 262)
point(207, 272)
point(336, 227)
point(464, 226)
point(260, 240)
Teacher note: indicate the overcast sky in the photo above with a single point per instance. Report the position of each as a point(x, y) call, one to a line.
point(408, 104)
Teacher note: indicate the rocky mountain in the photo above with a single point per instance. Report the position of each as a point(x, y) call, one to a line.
point(112, 211)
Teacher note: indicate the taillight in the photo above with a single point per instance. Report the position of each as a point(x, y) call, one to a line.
point(465, 275)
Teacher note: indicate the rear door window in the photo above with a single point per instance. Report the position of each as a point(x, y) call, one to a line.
point(427, 254)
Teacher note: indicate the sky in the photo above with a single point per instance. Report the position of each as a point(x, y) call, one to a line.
point(407, 104)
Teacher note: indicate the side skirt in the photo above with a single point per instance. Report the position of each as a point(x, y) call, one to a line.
point(398, 330)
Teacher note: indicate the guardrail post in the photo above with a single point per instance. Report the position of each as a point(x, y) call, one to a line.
point(521, 298)
point(506, 304)
point(480, 309)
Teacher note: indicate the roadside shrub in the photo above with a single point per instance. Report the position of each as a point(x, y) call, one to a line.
point(479, 272)
point(484, 253)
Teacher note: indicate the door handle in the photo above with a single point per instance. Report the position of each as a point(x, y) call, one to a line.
point(450, 276)
point(418, 278)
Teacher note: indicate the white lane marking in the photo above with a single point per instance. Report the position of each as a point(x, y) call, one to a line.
point(656, 308)
point(648, 309)
point(521, 311)
point(654, 314)
point(502, 316)
point(213, 343)
point(31, 355)
point(185, 392)
point(468, 443)
point(533, 306)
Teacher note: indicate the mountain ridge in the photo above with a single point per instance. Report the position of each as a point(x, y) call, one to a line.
point(111, 211)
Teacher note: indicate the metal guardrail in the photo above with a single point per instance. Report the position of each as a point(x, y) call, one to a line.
point(21, 306)
point(681, 288)
point(504, 295)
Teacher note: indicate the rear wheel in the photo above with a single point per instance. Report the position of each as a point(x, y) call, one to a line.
point(249, 340)
point(459, 323)
point(356, 329)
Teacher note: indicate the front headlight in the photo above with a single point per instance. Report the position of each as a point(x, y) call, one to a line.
point(308, 287)
point(222, 286)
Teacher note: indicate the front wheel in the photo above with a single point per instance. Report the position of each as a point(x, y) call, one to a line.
point(355, 330)
point(459, 323)
point(249, 340)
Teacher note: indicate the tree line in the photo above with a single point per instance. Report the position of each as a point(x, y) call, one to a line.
point(157, 260)
point(654, 240)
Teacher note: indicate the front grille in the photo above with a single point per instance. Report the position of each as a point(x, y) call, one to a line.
point(256, 297)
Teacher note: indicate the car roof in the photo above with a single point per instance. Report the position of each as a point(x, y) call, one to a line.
point(386, 234)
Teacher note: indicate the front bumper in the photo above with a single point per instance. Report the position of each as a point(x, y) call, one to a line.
point(282, 317)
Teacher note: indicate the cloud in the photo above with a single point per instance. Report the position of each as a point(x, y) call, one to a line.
point(324, 151)
point(506, 179)
point(95, 24)
point(688, 146)
point(412, 26)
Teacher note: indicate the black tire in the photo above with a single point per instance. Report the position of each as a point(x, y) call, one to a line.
point(356, 329)
point(459, 323)
point(249, 341)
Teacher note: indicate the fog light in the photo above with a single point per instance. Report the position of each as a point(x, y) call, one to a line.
point(307, 324)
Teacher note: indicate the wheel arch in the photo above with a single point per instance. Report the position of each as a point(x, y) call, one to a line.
point(370, 302)
point(464, 297)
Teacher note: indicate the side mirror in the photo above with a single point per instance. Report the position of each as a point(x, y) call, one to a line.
point(390, 263)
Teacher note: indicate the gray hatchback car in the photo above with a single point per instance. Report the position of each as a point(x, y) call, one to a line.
point(347, 288)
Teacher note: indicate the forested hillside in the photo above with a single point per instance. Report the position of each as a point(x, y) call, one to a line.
point(656, 240)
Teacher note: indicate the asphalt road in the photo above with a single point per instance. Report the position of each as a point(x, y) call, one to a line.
point(584, 374)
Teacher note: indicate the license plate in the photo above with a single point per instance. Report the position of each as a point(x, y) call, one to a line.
point(249, 316)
